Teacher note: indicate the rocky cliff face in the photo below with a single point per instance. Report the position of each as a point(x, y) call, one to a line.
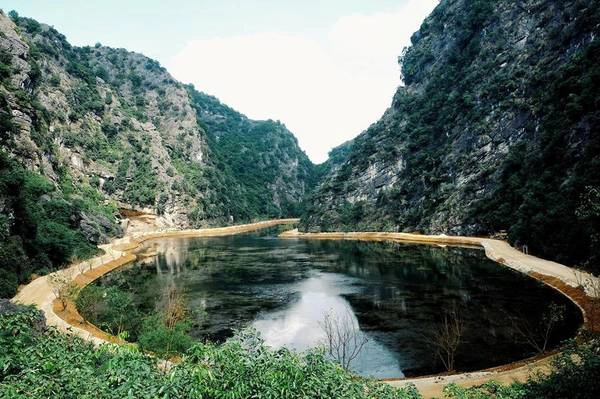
point(86, 131)
point(119, 122)
point(108, 118)
point(495, 128)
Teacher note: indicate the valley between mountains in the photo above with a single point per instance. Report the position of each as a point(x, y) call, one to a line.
point(491, 140)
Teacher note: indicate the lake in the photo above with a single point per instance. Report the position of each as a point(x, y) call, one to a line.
point(396, 295)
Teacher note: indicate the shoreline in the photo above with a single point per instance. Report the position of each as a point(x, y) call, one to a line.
point(120, 252)
point(559, 277)
point(117, 253)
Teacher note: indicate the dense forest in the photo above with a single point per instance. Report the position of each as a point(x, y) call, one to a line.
point(262, 156)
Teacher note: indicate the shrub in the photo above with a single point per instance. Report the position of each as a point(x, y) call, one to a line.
point(575, 376)
point(43, 364)
point(8, 283)
point(111, 309)
point(157, 337)
point(40, 224)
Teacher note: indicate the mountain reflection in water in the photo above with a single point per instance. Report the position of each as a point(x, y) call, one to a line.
point(396, 294)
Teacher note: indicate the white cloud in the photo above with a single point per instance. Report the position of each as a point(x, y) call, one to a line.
point(325, 91)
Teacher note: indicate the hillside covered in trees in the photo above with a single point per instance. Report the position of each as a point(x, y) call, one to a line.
point(262, 157)
point(85, 131)
point(496, 128)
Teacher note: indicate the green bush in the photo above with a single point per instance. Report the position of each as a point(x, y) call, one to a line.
point(575, 376)
point(5, 65)
point(8, 281)
point(111, 309)
point(40, 224)
point(156, 337)
point(48, 364)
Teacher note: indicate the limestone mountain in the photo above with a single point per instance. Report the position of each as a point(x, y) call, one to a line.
point(262, 157)
point(335, 158)
point(85, 131)
point(496, 127)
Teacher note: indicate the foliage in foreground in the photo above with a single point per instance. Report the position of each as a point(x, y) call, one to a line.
point(163, 331)
point(576, 375)
point(47, 364)
point(37, 363)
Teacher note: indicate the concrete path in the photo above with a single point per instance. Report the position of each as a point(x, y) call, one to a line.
point(39, 292)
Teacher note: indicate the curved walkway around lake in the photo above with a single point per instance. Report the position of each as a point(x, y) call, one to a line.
point(39, 292)
point(566, 280)
point(119, 252)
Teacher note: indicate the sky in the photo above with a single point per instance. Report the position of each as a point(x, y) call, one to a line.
point(327, 69)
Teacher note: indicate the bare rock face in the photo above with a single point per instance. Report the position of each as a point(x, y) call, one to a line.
point(495, 128)
point(98, 229)
point(18, 51)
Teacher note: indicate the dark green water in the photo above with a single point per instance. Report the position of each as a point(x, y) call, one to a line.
point(397, 295)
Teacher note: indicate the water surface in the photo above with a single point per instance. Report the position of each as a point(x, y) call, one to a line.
point(396, 295)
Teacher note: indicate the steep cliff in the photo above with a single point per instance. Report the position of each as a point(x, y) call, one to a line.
point(108, 118)
point(86, 131)
point(496, 128)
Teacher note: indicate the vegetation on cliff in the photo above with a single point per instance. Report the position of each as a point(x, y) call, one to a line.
point(42, 227)
point(262, 158)
point(120, 120)
point(495, 129)
point(85, 130)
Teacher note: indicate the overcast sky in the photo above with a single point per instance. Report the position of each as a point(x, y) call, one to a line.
point(327, 69)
